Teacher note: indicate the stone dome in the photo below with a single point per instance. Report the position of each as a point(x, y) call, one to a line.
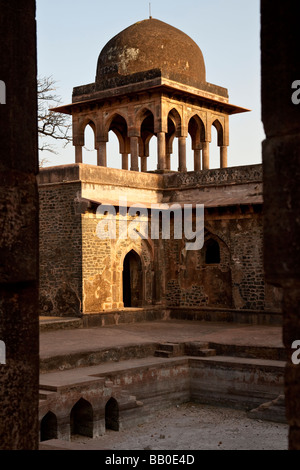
point(152, 44)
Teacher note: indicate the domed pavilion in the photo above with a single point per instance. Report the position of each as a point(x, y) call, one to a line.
point(151, 80)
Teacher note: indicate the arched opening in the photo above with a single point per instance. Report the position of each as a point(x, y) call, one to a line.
point(132, 280)
point(113, 152)
point(112, 415)
point(48, 429)
point(89, 154)
point(174, 130)
point(118, 146)
point(214, 151)
point(216, 144)
point(189, 154)
point(197, 135)
point(212, 252)
point(148, 145)
point(172, 158)
point(81, 419)
point(152, 159)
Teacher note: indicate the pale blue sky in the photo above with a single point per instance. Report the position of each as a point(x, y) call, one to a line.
point(71, 34)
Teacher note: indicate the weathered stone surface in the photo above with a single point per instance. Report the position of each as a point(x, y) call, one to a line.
point(60, 250)
point(279, 38)
point(152, 44)
point(19, 228)
point(87, 277)
point(271, 411)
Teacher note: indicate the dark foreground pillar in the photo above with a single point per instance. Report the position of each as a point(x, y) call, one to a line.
point(18, 227)
point(280, 37)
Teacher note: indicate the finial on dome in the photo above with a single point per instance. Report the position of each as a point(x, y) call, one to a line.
point(150, 17)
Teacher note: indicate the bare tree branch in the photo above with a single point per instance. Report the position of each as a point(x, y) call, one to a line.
point(51, 124)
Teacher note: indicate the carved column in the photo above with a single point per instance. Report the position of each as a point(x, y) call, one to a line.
point(161, 150)
point(168, 161)
point(124, 161)
point(101, 154)
point(223, 157)
point(205, 155)
point(182, 153)
point(144, 163)
point(78, 153)
point(134, 150)
point(197, 159)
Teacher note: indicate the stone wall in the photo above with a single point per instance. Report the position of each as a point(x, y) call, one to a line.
point(102, 266)
point(81, 273)
point(280, 36)
point(237, 281)
point(232, 175)
point(60, 249)
point(19, 328)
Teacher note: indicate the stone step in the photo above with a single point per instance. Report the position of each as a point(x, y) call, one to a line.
point(194, 346)
point(255, 352)
point(206, 352)
point(177, 349)
point(59, 323)
point(44, 394)
point(163, 353)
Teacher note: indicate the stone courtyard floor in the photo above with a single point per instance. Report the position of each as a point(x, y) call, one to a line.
point(77, 340)
point(188, 426)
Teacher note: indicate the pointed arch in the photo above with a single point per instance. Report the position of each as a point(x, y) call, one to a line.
point(144, 248)
point(196, 129)
point(112, 420)
point(175, 118)
point(220, 131)
point(142, 115)
point(132, 280)
point(88, 121)
point(212, 252)
point(81, 418)
point(48, 427)
point(116, 119)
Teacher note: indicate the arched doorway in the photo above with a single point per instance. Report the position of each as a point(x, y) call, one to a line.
point(132, 280)
point(212, 252)
point(81, 419)
point(49, 427)
point(112, 415)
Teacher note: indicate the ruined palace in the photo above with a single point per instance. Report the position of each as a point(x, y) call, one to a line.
point(151, 81)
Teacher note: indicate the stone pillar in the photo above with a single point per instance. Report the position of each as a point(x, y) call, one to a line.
point(144, 163)
point(205, 156)
point(134, 150)
point(78, 154)
point(101, 154)
point(19, 321)
point(182, 153)
point(223, 157)
point(197, 159)
point(161, 150)
point(280, 36)
point(124, 161)
point(168, 161)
